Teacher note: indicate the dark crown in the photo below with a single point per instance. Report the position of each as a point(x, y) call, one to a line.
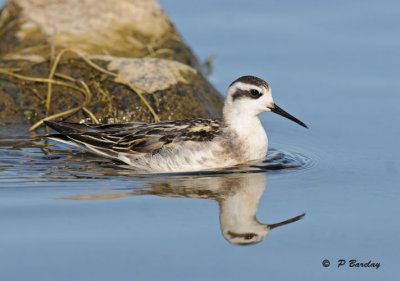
point(253, 80)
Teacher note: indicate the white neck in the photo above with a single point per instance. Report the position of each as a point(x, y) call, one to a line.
point(238, 119)
point(249, 131)
point(238, 211)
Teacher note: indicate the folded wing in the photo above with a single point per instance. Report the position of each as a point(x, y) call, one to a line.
point(134, 138)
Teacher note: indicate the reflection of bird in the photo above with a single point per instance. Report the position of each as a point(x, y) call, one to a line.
point(186, 145)
point(238, 196)
point(239, 224)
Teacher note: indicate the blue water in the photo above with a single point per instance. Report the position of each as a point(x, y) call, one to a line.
point(333, 64)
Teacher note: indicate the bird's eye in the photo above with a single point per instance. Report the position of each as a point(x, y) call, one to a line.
point(255, 94)
point(249, 236)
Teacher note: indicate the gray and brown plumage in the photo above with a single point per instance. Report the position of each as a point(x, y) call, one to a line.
point(185, 145)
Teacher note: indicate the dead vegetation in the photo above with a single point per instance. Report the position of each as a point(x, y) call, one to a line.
point(78, 85)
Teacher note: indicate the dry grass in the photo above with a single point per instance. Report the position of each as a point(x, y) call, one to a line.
point(68, 112)
point(73, 84)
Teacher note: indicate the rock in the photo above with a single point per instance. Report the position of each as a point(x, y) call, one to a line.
point(99, 61)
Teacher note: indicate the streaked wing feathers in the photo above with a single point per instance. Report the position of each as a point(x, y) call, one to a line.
point(137, 137)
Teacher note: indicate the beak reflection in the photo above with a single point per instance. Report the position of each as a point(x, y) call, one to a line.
point(285, 222)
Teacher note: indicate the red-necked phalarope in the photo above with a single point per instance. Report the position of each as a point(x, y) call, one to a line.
point(185, 145)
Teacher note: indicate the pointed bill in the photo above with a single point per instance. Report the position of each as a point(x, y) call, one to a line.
point(276, 109)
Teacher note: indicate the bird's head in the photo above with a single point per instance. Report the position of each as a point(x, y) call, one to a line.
point(253, 232)
point(250, 95)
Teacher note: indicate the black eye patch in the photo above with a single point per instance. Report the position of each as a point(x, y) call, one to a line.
point(246, 236)
point(253, 94)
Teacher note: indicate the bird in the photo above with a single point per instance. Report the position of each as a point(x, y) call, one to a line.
point(185, 145)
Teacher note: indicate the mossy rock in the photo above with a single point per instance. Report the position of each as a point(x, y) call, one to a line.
point(112, 61)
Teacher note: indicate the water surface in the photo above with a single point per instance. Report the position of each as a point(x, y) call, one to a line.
point(68, 215)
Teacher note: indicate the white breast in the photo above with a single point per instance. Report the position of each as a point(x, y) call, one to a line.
point(257, 143)
point(251, 137)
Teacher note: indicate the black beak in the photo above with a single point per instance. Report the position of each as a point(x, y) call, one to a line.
point(276, 109)
point(294, 219)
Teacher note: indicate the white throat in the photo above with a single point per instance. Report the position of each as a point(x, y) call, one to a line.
point(248, 130)
point(238, 210)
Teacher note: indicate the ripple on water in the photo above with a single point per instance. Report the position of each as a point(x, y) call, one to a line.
point(277, 161)
point(24, 159)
